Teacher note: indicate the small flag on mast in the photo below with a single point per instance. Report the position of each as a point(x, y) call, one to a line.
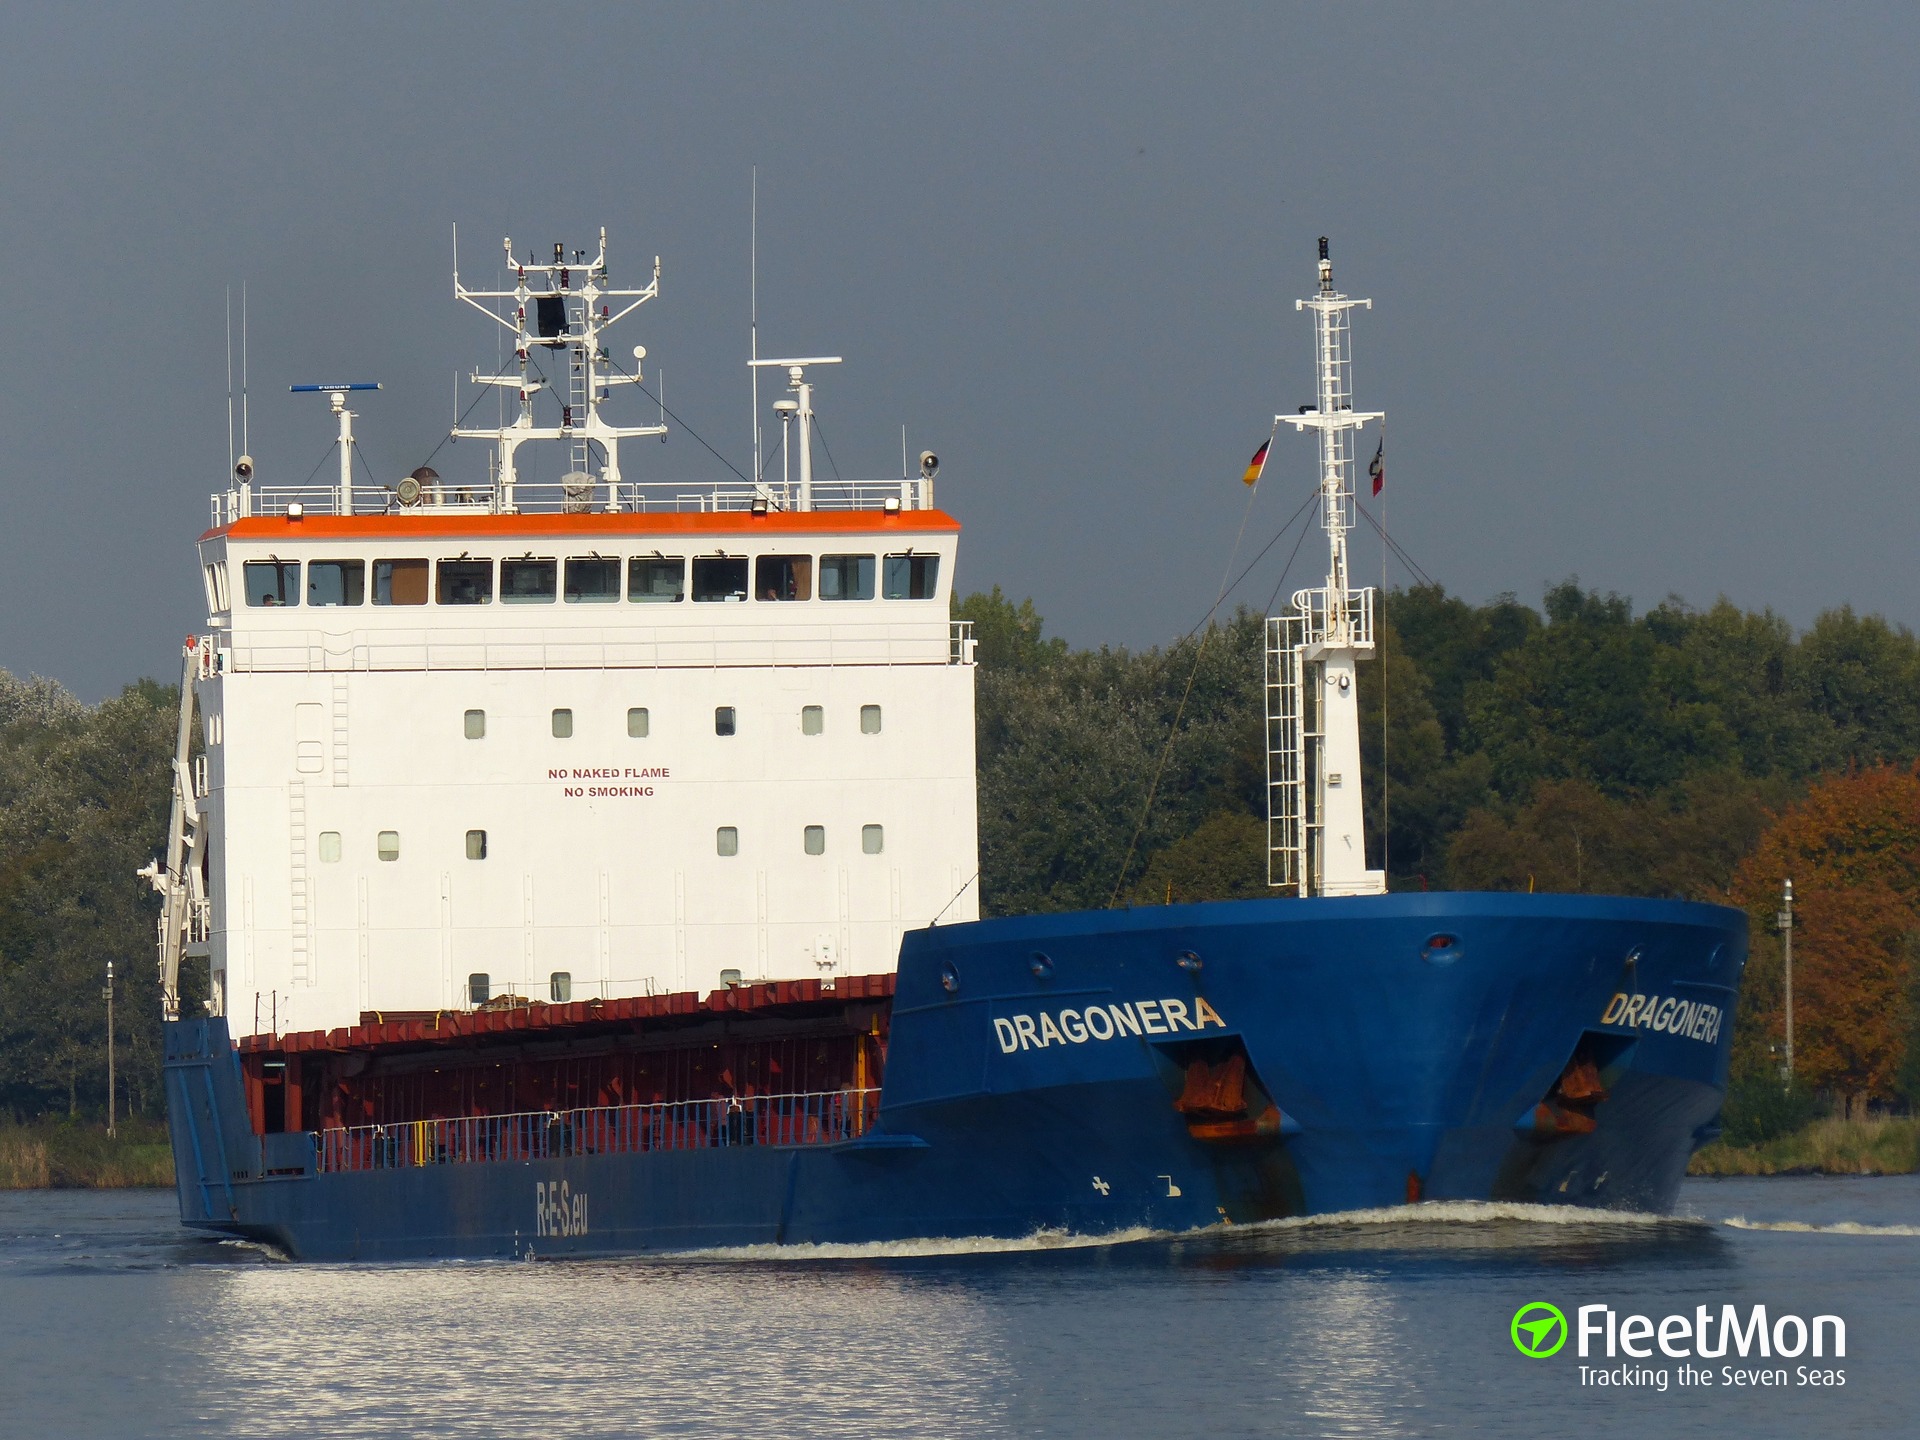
point(1378, 469)
point(1256, 465)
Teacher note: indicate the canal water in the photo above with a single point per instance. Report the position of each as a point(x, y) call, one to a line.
point(114, 1322)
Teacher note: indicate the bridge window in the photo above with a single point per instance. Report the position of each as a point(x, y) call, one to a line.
point(719, 577)
point(465, 582)
point(560, 986)
point(272, 582)
point(911, 577)
point(869, 719)
point(873, 839)
point(399, 582)
point(726, 840)
point(388, 845)
point(783, 577)
point(846, 577)
point(476, 724)
point(329, 847)
point(814, 839)
point(563, 724)
point(479, 988)
point(476, 844)
point(638, 722)
point(660, 579)
point(724, 720)
point(217, 598)
point(337, 582)
point(528, 582)
point(812, 719)
point(592, 580)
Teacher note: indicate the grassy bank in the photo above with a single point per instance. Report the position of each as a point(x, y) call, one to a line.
point(70, 1155)
point(1826, 1147)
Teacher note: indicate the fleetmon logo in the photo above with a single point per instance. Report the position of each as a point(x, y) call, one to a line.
point(1539, 1330)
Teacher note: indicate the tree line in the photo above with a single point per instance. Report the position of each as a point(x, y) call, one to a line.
point(1577, 746)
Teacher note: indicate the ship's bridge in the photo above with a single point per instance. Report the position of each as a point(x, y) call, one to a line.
point(472, 740)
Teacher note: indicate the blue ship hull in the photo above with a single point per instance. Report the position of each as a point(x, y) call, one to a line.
point(1393, 1047)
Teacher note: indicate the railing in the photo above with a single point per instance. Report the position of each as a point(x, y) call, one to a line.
point(933, 641)
point(569, 498)
point(825, 1118)
point(1314, 610)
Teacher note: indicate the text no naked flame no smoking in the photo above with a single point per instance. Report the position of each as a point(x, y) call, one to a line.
point(607, 782)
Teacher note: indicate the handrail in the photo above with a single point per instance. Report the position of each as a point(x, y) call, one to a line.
point(443, 497)
point(821, 1118)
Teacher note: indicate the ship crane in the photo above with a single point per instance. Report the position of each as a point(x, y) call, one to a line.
point(1316, 822)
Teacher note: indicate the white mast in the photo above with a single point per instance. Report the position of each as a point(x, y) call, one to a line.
point(1316, 823)
point(571, 319)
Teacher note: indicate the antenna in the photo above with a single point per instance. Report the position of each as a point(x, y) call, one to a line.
point(753, 316)
point(230, 455)
point(246, 439)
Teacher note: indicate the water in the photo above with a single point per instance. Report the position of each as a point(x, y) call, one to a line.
point(114, 1323)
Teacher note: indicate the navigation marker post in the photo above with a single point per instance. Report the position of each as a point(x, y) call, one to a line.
point(1785, 920)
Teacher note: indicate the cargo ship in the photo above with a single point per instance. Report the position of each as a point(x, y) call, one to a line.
point(572, 861)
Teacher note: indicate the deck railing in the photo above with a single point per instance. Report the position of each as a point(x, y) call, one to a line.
point(566, 498)
point(824, 1118)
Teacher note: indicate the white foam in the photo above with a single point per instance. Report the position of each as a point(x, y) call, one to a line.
point(927, 1248)
point(1472, 1212)
point(1804, 1227)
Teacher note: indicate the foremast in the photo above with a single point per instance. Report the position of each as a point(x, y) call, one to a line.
point(1316, 819)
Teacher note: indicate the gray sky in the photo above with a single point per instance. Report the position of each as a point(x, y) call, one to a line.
point(1644, 277)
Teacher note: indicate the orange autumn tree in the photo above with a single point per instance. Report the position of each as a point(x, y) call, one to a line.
point(1852, 848)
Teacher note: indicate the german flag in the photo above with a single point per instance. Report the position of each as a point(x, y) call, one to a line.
point(1256, 465)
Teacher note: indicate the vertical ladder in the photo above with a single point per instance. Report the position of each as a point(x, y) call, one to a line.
point(297, 832)
point(1286, 791)
point(579, 451)
point(339, 718)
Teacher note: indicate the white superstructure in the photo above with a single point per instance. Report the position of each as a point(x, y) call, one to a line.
point(581, 738)
point(1316, 822)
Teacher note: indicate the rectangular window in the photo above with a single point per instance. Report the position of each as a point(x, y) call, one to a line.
point(213, 591)
point(846, 577)
point(911, 577)
point(476, 724)
point(528, 582)
point(812, 719)
point(329, 847)
point(723, 720)
point(465, 582)
point(476, 844)
point(657, 579)
point(783, 577)
point(399, 582)
point(560, 986)
point(592, 580)
point(869, 719)
point(337, 582)
point(563, 724)
point(719, 577)
point(873, 839)
point(814, 839)
point(726, 840)
point(389, 845)
point(638, 722)
point(479, 988)
point(272, 582)
point(222, 600)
